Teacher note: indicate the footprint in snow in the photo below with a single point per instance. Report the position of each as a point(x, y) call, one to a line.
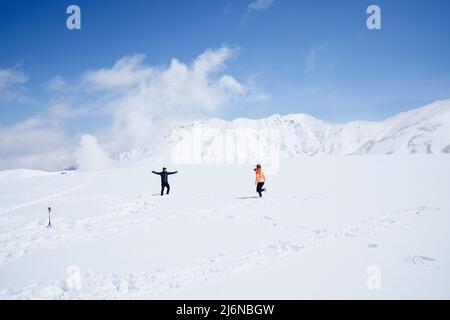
point(419, 260)
point(422, 262)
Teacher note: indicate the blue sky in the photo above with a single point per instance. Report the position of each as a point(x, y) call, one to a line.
point(357, 73)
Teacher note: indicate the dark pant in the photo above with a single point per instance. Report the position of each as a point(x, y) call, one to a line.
point(165, 185)
point(259, 188)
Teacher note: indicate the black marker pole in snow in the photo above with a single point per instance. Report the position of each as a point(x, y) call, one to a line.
point(49, 221)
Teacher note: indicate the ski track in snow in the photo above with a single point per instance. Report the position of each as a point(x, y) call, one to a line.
point(153, 283)
point(49, 197)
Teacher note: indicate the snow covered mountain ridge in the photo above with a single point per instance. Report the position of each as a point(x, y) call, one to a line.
point(425, 130)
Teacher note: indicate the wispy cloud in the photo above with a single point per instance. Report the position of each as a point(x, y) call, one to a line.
point(127, 71)
point(33, 143)
point(10, 77)
point(312, 58)
point(255, 6)
point(259, 5)
point(11, 82)
point(57, 83)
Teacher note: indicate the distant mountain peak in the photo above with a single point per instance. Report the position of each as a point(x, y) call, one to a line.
point(424, 130)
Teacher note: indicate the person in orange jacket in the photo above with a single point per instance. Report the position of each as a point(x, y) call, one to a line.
point(260, 180)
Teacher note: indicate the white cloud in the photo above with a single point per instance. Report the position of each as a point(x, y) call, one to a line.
point(10, 77)
point(33, 143)
point(229, 83)
point(61, 111)
point(40, 142)
point(259, 5)
point(57, 84)
point(156, 96)
point(135, 103)
point(126, 72)
point(11, 81)
point(261, 97)
point(211, 61)
point(90, 156)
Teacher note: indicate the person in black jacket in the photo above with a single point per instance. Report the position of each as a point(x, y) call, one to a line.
point(164, 179)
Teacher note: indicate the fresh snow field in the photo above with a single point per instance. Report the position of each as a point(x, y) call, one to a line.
point(324, 226)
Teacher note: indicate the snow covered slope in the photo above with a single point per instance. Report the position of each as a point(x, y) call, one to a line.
point(425, 130)
point(327, 227)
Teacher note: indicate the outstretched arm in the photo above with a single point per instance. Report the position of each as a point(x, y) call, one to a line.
point(158, 173)
point(172, 172)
